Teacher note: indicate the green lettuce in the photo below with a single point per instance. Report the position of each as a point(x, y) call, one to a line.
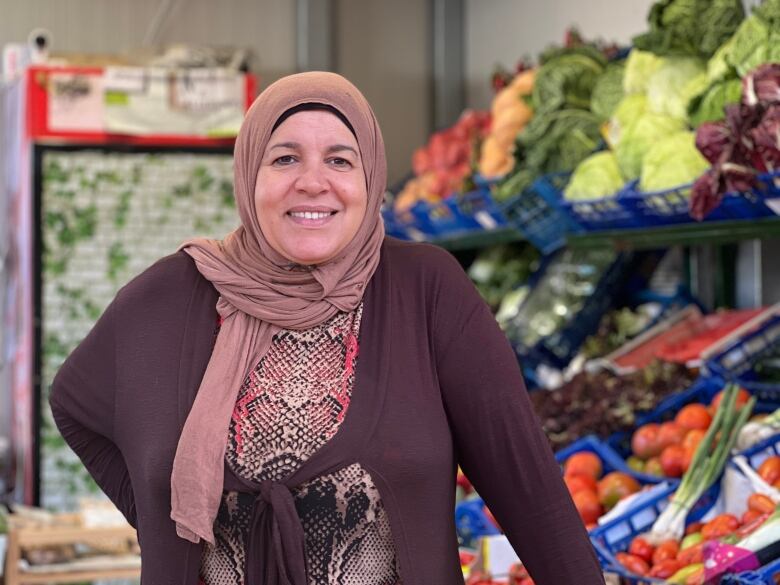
point(596, 177)
point(666, 87)
point(710, 105)
point(671, 162)
point(640, 66)
point(637, 139)
point(631, 108)
point(757, 40)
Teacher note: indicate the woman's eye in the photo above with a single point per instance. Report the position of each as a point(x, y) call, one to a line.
point(340, 162)
point(284, 160)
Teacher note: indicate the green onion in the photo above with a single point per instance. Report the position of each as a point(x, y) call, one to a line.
point(706, 466)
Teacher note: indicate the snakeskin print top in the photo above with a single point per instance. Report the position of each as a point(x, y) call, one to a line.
point(288, 407)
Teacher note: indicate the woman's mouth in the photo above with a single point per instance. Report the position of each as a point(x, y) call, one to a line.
point(311, 218)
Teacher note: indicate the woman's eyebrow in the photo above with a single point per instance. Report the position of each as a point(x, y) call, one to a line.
point(290, 145)
point(339, 147)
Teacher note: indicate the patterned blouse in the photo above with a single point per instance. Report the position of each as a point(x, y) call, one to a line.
point(288, 407)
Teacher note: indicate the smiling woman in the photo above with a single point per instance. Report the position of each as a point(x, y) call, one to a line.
point(315, 441)
point(310, 193)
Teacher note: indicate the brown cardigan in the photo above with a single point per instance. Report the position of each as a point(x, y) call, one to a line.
point(437, 384)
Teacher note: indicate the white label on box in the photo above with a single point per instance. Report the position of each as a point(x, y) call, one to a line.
point(125, 79)
point(485, 220)
point(76, 102)
point(773, 204)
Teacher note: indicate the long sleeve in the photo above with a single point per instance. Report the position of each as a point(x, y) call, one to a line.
point(501, 446)
point(82, 404)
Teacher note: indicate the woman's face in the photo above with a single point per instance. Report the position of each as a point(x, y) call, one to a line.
point(310, 194)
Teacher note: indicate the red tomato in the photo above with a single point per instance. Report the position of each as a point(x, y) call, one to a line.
point(693, 416)
point(693, 528)
point(670, 433)
point(750, 516)
point(742, 397)
point(588, 506)
point(691, 555)
point(693, 438)
point(585, 463)
point(644, 442)
point(665, 551)
point(615, 486)
point(761, 503)
point(517, 573)
point(665, 569)
point(641, 548)
point(721, 525)
point(769, 470)
point(673, 461)
point(632, 563)
point(577, 482)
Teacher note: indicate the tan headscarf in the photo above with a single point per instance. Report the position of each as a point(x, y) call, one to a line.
point(259, 294)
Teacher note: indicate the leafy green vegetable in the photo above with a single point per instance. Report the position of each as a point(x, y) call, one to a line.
point(757, 40)
point(565, 82)
point(666, 88)
point(596, 177)
point(693, 28)
point(551, 142)
point(631, 108)
point(587, 50)
point(710, 105)
point(608, 91)
point(637, 139)
point(671, 162)
point(640, 66)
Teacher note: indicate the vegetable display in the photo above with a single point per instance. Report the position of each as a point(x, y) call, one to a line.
point(746, 144)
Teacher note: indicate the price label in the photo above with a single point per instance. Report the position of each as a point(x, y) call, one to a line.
point(486, 220)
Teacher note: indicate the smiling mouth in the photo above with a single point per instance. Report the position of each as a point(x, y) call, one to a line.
point(311, 215)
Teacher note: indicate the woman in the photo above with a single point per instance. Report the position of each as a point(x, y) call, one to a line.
point(316, 439)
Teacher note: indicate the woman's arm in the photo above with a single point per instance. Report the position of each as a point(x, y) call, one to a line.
point(500, 444)
point(82, 404)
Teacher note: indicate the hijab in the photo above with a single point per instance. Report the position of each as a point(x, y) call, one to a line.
point(259, 294)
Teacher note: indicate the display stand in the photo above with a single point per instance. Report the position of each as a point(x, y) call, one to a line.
point(22, 538)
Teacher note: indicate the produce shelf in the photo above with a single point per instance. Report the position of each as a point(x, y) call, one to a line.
point(479, 239)
point(686, 234)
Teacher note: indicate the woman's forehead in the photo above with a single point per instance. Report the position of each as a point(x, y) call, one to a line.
point(308, 125)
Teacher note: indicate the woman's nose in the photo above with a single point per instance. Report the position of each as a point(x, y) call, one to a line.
point(312, 180)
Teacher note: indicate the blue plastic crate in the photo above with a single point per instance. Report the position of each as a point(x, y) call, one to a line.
point(480, 208)
point(536, 213)
point(736, 360)
point(471, 522)
point(766, 575)
point(612, 212)
point(756, 454)
point(671, 206)
point(393, 225)
point(616, 535)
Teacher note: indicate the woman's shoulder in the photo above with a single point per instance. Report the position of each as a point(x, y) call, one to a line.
point(171, 279)
point(422, 260)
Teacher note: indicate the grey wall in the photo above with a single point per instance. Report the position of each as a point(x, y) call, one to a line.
point(383, 48)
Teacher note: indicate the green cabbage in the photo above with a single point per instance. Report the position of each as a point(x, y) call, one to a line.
point(671, 162)
point(666, 88)
point(631, 108)
point(565, 82)
point(596, 177)
point(693, 28)
point(640, 65)
point(608, 91)
point(637, 139)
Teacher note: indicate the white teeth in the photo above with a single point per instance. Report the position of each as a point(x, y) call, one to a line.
point(310, 214)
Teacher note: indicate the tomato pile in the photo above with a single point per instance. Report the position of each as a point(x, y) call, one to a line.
point(593, 494)
point(666, 449)
point(683, 561)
